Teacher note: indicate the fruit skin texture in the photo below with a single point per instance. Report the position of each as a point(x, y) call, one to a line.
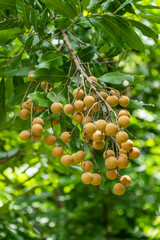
point(97, 179)
point(68, 109)
point(29, 77)
point(124, 121)
point(89, 101)
point(98, 145)
point(98, 136)
point(111, 174)
point(38, 120)
point(134, 153)
point(93, 79)
point(79, 156)
point(66, 137)
point(79, 105)
point(36, 138)
point(43, 85)
point(25, 135)
point(55, 122)
point(112, 100)
point(78, 117)
point(124, 113)
point(37, 129)
point(66, 160)
point(101, 125)
point(57, 152)
point(111, 129)
point(90, 128)
point(110, 153)
point(78, 93)
point(103, 95)
point(114, 92)
point(87, 120)
point(24, 114)
point(124, 101)
point(111, 162)
point(56, 107)
point(122, 151)
point(87, 166)
point(119, 189)
point(127, 145)
point(50, 140)
point(121, 137)
point(122, 161)
point(125, 180)
point(87, 178)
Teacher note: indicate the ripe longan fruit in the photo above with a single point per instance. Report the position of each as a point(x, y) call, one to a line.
point(87, 178)
point(123, 121)
point(25, 105)
point(127, 145)
point(37, 129)
point(98, 136)
point(68, 109)
point(111, 174)
point(110, 153)
point(101, 125)
point(125, 180)
point(29, 77)
point(134, 153)
point(95, 108)
point(56, 107)
point(57, 152)
point(29, 103)
point(25, 135)
point(114, 92)
point(103, 95)
point(122, 151)
point(91, 143)
point(38, 120)
point(55, 122)
point(93, 95)
point(87, 137)
point(78, 117)
point(43, 85)
point(124, 113)
point(39, 109)
point(79, 105)
point(121, 137)
point(98, 145)
point(105, 155)
point(97, 179)
point(87, 166)
point(79, 156)
point(50, 139)
point(111, 129)
point(111, 162)
point(66, 137)
point(67, 160)
point(119, 189)
point(87, 120)
point(122, 161)
point(93, 79)
point(78, 93)
point(90, 128)
point(24, 114)
point(36, 138)
point(124, 101)
point(89, 101)
point(112, 100)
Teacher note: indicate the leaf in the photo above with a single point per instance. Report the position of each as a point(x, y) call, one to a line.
point(11, 33)
point(139, 104)
point(62, 23)
point(84, 4)
point(4, 209)
point(86, 53)
point(35, 19)
point(60, 93)
point(116, 78)
point(43, 21)
point(148, 6)
point(105, 5)
point(154, 18)
point(50, 60)
point(2, 100)
point(24, 11)
point(40, 99)
point(75, 4)
point(123, 5)
point(7, 4)
point(29, 42)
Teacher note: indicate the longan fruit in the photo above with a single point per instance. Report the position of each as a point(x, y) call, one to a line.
point(110, 153)
point(101, 125)
point(87, 120)
point(112, 100)
point(95, 108)
point(68, 109)
point(66, 137)
point(57, 152)
point(38, 120)
point(39, 109)
point(121, 137)
point(43, 85)
point(124, 101)
point(25, 135)
point(111, 174)
point(89, 128)
point(98, 136)
point(89, 101)
point(98, 145)
point(119, 189)
point(93, 79)
point(103, 95)
point(29, 103)
point(56, 107)
point(124, 113)
point(87, 166)
point(127, 145)
point(36, 138)
point(111, 129)
point(134, 153)
point(97, 179)
point(111, 162)
point(87, 178)
point(24, 114)
point(79, 156)
point(93, 95)
point(55, 122)
point(37, 129)
point(105, 155)
point(78, 93)
point(78, 117)
point(125, 180)
point(114, 92)
point(66, 160)
point(79, 105)
point(25, 105)
point(124, 121)
point(29, 77)
point(122, 161)
point(50, 139)
point(122, 151)
point(87, 137)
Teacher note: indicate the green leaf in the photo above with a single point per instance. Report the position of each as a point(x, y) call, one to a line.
point(29, 42)
point(7, 4)
point(154, 18)
point(75, 4)
point(116, 78)
point(148, 6)
point(2, 100)
point(35, 19)
point(50, 60)
point(84, 4)
point(105, 5)
point(86, 53)
point(139, 104)
point(60, 93)
point(123, 5)
point(62, 23)
point(24, 11)
point(43, 21)
point(11, 33)
point(40, 99)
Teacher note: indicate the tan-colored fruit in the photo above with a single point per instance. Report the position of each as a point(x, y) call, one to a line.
point(125, 180)
point(24, 114)
point(134, 153)
point(98, 136)
point(66, 160)
point(87, 166)
point(97, 179)
point(124, 121)
point(25, 135)
point(56, 107)
point(78, 93)
point(29, 77)
point(124, 113)
point(43, 85)
point(110, 153)
point(93, 95)
point(111, 162)
point(79, 156)
point(91, 143)
point(87, 120)
point(55, 122)
point(25, 105)
point(111, 129)
point(66, 137)
point(90, 128)
point(29, 103)
point(121, 137)
point(101, 125)
point(119, 189)
point(105, 155)
point(124, 101)
point(57, 152)
point(87, 137)
point(89, 101)
point(111, 174)
point(103, 95)
point(50, 140)
point(39, 109)
point(87, 178)
point(93, 79)
point(38, 120)
point(122, 151)
point(36, 138)
point(68, 109)
point(79, 105)
point(95, 108)
point(37, 129)
point(114, 92)
point(112, 100)
point(78, 117)
point(127, 145)
point(122, 161)
point(98, 145)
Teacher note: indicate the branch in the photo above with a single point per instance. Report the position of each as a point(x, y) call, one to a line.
point(10, 157)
